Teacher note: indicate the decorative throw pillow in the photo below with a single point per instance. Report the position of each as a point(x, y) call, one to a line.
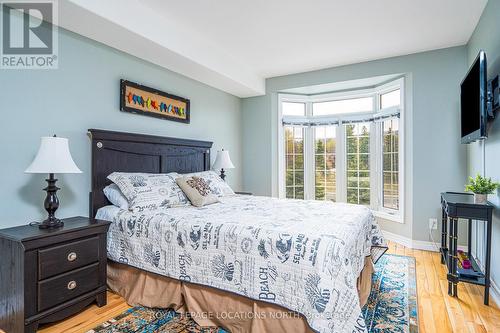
point(115, 196)
point(217, 186)
point(146, 191)
point(197, 190)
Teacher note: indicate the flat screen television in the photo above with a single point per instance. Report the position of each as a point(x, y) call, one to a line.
point(473, 101)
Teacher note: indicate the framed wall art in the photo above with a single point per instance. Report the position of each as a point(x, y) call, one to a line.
point(136, 98)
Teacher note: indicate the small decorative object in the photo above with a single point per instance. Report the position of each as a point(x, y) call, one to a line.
point(463, 260)
point(151, 102)
point(223, 161)
point(481, 187)
point(53, 157)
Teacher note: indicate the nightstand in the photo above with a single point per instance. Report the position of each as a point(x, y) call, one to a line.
point(457, 207)
point(47, 275)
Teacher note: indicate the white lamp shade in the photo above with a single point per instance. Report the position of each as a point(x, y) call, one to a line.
point(53, 157)
point(223, 161)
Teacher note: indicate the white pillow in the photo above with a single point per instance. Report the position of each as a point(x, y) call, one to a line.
point(217, 186)
point(115, 196)
point(147, 191)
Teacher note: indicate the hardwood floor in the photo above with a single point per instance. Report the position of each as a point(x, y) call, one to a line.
point(439, 312)
point(436, 310)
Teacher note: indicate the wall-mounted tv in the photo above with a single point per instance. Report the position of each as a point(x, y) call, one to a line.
point(473, 101)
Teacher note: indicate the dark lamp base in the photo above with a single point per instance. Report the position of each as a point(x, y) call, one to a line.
point(51, 224)
point(51, 204)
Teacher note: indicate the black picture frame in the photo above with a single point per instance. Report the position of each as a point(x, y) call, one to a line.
point(123, 103)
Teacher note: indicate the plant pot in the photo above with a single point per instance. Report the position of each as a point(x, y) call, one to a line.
point(480, 198)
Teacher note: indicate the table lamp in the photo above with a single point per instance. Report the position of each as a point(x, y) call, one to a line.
point(223, 161)
point(53, 157)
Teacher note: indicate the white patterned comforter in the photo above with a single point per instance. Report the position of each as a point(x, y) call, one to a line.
point(303, 255)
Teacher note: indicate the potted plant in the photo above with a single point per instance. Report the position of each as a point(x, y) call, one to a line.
point(481, 187)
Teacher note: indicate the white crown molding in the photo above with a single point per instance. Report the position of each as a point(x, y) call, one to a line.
point(152, 37)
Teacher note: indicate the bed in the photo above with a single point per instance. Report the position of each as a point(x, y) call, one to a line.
point(247, 263)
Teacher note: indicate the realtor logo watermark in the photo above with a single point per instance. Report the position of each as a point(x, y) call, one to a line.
point(29, 35)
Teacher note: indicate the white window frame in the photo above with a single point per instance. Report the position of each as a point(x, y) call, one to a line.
point(376, 146)
point(382, 211)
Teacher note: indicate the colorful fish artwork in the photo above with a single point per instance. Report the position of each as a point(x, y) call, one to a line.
point(150, 103)
point(143, 100)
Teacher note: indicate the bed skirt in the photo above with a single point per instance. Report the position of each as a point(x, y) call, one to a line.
point(213, 307)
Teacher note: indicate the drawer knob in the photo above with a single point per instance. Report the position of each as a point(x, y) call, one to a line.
point(71, 285)
point(72, 256)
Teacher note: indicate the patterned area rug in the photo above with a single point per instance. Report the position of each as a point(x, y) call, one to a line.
point(391, 307)
point(147, 320)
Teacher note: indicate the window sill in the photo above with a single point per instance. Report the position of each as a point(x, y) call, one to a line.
point(386, 216)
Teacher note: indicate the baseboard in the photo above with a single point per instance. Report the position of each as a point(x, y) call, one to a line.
point(426, 246)
point(434, 247)
point(495, 293)
point(398, 239)
point(415, 244)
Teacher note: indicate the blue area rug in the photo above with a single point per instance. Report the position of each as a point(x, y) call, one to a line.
point(391, 307)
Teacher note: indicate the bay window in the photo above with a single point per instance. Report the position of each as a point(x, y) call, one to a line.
point(344, 147)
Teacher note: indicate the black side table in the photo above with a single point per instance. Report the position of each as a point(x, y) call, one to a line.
point(457, 206)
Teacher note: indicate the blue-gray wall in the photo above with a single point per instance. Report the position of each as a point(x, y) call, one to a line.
point(84, 93)
point(435, 160)
point(487, 37)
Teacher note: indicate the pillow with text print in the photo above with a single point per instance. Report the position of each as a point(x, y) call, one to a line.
point(149, 191)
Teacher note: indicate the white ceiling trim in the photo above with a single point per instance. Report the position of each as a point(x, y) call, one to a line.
point(151, 37)
point(365, 83)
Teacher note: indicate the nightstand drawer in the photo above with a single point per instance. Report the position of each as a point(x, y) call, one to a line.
point(67, 286)
point(63, 258)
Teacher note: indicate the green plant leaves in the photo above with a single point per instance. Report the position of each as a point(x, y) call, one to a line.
point(481, 185)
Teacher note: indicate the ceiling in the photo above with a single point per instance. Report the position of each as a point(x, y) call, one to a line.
point(234, 45)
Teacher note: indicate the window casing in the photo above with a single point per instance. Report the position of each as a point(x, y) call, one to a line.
point(347, 150)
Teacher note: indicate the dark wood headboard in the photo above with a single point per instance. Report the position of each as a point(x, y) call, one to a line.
point(130, 152)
